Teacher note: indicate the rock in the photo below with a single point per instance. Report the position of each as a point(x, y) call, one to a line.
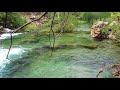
point(95, 32)
point(111, 36)
point(100, 24)
point(96, 29)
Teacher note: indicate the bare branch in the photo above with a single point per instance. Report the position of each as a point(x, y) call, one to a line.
point(29, 23)
point(51, 30)
point(10, 45)
point(65, 21)
point(109, 66)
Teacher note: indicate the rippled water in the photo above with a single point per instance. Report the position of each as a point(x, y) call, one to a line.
point(84, 27)
point(70, 63)
point(65, 63)
point(15, 53)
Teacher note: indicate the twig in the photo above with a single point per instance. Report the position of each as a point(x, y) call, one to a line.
point(6, 17)
point(65, 21)
point(29, 23)
point(109, 66)
point(19, 29)
point(10, 49)
point(51, 30)
point(10, 45)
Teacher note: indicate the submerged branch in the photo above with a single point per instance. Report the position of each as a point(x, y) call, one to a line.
point(115, 71)
point(11, 40)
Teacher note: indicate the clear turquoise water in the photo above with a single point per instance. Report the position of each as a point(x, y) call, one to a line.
point(64, 63)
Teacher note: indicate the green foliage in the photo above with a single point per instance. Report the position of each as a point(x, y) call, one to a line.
point(70, 23)
point(60, 17)
point(91, 16)
point(113, 16)
point(14, 19)
point(31, 27)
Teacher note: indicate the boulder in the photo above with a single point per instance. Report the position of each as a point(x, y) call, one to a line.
point(111, 36)
point(100, 24)
point(97, 27)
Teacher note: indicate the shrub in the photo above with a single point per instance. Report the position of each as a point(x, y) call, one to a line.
point(14, 19)
point(31, 27)
point(70, 25)
point(91, 16)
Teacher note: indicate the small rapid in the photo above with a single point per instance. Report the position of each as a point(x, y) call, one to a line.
point(7, 35)
point(15, 54)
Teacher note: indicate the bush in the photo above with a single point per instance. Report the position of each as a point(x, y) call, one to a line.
point(70, 25)
point(31, 27)
point(91, 16)
point(14, 19)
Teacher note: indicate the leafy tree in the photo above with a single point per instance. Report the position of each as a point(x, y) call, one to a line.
point(12, 20)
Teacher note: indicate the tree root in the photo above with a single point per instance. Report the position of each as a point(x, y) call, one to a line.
point(115, 72)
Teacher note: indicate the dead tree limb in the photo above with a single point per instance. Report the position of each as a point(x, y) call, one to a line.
point(10, 49)
point(64, 24)
point(29, 22)
point(19, 29)
point(10, 45)
point(109, 66)
point(51, 30)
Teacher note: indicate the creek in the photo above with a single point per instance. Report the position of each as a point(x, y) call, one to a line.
point(36, 62)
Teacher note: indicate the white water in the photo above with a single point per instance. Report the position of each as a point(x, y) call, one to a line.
point(15, 53)
point(7, 35)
